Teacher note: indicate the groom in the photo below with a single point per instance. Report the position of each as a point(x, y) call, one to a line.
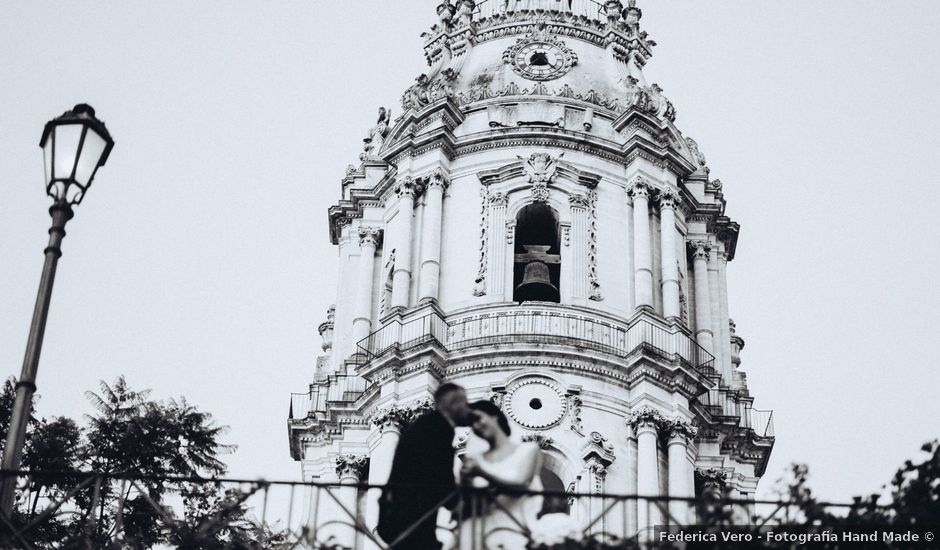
point(422, 475)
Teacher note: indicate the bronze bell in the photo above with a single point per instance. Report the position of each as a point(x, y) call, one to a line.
point(536, 284)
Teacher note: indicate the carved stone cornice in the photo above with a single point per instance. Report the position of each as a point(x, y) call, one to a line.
point(523, 168)
point(728, 232)
point(370, 236)
point(352, 466)
point(598, 450)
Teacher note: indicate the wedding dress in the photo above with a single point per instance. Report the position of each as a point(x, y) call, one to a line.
point(502, 523)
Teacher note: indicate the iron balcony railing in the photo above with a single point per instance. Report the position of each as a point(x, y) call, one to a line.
point(537, 326)
point(729, 404)
point(94, 510)
point(495, 8)
point(337, 389)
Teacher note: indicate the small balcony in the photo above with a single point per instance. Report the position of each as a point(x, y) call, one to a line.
point(730, 406)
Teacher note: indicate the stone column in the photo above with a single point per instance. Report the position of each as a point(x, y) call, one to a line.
point(645, 424)
point(723, 316)
point(681, 434)
point(579, 205)
point(369, 239)
point(630, 262)
point(667, 217)
point(703, 315)
point(350, 469)
point(642, 252)
point(389, 422)
point(401, 277)
point(430, 277)
point(714, 294)
point(499, 236)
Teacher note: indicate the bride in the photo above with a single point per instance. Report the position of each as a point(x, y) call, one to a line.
point(501, 522)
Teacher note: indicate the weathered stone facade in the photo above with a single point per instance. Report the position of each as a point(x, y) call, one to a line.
point(630, 382)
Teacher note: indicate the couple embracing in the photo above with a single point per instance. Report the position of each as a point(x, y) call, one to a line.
point(423, 480)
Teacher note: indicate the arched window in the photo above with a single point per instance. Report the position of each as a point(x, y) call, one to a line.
point(537, 265)
point(554, 504)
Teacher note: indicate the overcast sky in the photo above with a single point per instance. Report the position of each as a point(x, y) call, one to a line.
point(200, 264)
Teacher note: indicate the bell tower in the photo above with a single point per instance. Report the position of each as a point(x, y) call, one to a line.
point(533, 225)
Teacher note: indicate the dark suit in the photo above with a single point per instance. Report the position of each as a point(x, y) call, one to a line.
point(423, 460)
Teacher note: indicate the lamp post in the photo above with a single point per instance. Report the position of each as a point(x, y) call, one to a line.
point(74, 146)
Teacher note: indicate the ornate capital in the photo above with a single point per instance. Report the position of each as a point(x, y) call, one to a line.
point(700, 249)
point(579, 201)
point(646, 417)
point(680, 429)
point(437, 179)
point(408, 188)
point(391, 417)
point(497, 199)
point(640, 187)
point(370, 236)
point(669, 199)
point(352, 466)
point(711, 479)
point(400, 416)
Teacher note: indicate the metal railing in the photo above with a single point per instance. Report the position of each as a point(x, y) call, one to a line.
point(494, 8)
point(337, 389)
point(91, 510)
point(536, 325)
point(729, 404)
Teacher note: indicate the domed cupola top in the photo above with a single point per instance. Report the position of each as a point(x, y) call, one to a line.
point(591, 51)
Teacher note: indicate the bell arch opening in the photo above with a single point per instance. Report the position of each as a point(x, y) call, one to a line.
point(537, 255)
point(551, 483)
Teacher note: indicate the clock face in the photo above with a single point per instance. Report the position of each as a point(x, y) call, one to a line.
point(540, 61)
point(539, 56)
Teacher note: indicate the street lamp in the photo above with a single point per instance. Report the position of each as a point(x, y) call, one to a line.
point(74, 146)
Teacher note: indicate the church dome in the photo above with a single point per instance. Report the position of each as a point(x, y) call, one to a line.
point(578, 50)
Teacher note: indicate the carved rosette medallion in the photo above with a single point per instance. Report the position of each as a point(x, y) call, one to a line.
point(535, 403)
point(540, 56)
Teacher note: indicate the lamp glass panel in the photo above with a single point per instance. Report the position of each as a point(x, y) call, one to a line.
point(47, 159)
point(67, 137)
point(88, 160)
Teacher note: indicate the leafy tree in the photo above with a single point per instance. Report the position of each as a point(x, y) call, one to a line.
point(145, 453)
